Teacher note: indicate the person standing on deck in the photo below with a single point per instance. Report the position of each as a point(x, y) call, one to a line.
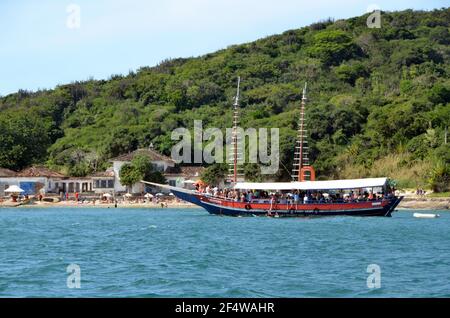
point(296, 197)
point(305, 199)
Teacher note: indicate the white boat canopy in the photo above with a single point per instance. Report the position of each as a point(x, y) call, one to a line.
point(314, 185)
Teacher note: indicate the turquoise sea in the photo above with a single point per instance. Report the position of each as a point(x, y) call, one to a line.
point(189, 253)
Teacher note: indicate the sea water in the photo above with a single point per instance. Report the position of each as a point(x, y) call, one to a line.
point(189, 253)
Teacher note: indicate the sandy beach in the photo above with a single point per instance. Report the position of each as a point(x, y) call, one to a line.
point(73, 204)
point(425, 203)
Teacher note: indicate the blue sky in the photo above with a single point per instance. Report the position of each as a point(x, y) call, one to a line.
point(39, 50)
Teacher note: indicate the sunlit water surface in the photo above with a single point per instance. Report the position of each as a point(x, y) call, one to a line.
point(189, 253)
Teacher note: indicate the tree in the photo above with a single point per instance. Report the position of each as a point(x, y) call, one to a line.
point(350, 72)
point(139, 169)
point(441, 35)
point(439, 94)
point(252, 172)
point(214, 174)
point(121, 140)
point(146, 169)
point(440, 177)
point(129, 175)
point(332, 47)
point(23, 140)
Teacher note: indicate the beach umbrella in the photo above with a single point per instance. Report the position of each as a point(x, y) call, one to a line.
point(148, 195)
point(128, 195)
point(159, 194)
point(14, 189)
point(171, 194)
point(107, 195)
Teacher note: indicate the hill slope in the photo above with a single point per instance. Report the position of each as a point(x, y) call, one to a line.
point(379, 101)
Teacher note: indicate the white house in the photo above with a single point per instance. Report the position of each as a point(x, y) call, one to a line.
point(103, 182)
point(160, 162)
point(183, 176)
point(6, 178)
point(32, 180)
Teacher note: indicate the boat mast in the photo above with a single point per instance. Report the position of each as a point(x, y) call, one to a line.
point(301, 159)
point(234, 172)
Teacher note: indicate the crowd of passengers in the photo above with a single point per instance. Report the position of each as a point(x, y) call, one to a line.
point(295, 197)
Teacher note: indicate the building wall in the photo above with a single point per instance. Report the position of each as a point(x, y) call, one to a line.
point(101, 189)
point(176, 181)
point(118, 187)
point(9, 181)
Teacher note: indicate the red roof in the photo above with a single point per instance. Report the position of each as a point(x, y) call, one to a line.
point(39, 171)
point(103, 174)
point(7, 173)
point(150, 153)
point(185, 171)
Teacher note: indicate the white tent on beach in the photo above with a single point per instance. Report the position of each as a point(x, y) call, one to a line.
point(14, 189)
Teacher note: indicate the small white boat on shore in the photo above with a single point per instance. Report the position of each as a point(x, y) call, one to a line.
point(426, 215)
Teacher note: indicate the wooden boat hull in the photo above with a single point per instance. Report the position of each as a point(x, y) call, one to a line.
point(218, 206)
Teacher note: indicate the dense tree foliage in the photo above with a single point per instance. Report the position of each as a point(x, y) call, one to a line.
point(139, 169)
point(214, 174)
point(379, 102)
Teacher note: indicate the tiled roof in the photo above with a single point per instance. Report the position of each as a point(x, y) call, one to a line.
point(39, 171)
point(103, 174)
point(185, 171)
point(7, 173)
point(150, 153)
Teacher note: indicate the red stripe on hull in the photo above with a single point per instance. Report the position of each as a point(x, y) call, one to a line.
point(295, 207)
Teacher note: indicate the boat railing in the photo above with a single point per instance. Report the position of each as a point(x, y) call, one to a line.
point(300, 202)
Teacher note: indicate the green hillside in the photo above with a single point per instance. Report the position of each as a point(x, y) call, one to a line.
point(379, 102)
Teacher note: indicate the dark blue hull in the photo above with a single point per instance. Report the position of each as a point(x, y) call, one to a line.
point(216, 209)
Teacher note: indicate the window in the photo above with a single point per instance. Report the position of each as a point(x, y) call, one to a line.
point(104, 184)
point(173, 183)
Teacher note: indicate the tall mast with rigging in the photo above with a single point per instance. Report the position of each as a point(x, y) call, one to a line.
point(235, 169)
point(302, 169)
